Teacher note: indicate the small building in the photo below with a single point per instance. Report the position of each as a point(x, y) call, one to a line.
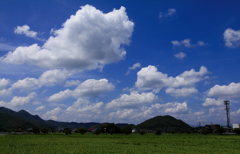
point(134, 131)
point(212, 128)
point(235, 126)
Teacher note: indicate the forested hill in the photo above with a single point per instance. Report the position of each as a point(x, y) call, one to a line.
point(162, 122)
point(10, 119)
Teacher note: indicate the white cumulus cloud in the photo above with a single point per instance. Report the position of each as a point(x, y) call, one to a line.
point(48, 78)
point(25, 30)
point(19, 101)
point(230, 91)
point(213, 102)
point(40, 108)
point(88, 88)
point(5, 92)
point(80, 111)
point(4, 82)
point(89, 40)
point(181, 92)
point(142, 113)
point(149, 78)
point(232, 38)
point(133, 100)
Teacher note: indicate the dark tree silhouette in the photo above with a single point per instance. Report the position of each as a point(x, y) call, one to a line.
point(142, 132)
point(36, 130)
point(158, 132)
point(67, 131)
point(82, 130)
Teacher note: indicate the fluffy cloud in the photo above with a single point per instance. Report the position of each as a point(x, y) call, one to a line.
point(232, 38)
point(181, 92)
point(213, 102)
point(230, 91)
point(149, 78)
point(89, 88)
point(186, 43)
point(176, 107)
point(180, 55)
point(88, 40)
point(48, 78)
point(19, 101)
point(81, 111)
point(52, 114)
point(39, 108)
point(60, 96)
point(133, 100)
point(137, 65)
point(235, 116)
point(25, 30)
point(5, 92)
point(140, 114)
point(170, 12)
point(4, 83)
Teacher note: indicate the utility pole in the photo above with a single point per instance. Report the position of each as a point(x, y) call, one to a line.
point(227, 103)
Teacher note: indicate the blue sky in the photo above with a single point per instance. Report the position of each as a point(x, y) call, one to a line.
point(121, 61)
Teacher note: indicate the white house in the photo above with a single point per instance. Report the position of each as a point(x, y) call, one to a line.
point(236, 126)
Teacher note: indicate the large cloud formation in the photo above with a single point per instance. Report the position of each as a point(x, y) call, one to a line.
point(133, 100)
point(87, 40)
point(226, 91)
point(48, 78)
point(89, 88)
point(18, 101)
point(150, 78)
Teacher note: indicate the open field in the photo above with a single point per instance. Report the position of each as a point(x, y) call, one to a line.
point(119, 143)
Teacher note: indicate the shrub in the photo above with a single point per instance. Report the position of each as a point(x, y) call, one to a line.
point(142, 132)
point(204, 131)
point(158, 132)
point(82, 130)
point(127, 130)
point(97, 132)
point(36, 130)
point(237, 131)
point(67, 131)
point(44, 130)
point(172, 131)
point(220, 130)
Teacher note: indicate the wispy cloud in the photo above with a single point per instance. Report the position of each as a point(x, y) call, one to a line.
point(187, 43)
point(25, 30)
point(137, 65)
point(180, 55)
point(170, 12)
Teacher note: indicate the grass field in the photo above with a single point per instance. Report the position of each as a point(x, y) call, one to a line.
point(119, 143)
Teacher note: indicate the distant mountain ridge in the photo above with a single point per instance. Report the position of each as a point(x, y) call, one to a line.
point(22, 119)
point(10, 119)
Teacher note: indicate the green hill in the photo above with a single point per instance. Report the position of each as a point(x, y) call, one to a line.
point(162, 122)
point(10, 119)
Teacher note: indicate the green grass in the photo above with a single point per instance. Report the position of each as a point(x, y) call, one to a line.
point(119, 143)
